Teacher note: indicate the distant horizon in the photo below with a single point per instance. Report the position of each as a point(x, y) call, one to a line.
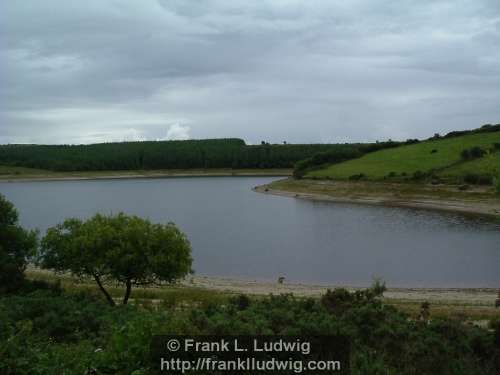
point(246, 142)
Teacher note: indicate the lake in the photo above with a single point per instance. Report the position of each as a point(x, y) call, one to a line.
point(236, 232)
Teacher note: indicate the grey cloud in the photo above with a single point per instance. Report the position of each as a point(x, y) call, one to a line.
point(315, 71)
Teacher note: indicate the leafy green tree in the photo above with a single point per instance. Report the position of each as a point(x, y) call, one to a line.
point(123, 249)
point(16, 247)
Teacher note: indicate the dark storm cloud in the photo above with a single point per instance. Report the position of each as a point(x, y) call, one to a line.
point(315, 71)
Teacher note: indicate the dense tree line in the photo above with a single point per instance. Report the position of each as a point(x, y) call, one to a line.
point(209, 153)
point(487, 128)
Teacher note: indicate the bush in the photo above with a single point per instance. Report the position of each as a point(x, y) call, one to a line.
point(17, 245)
point(92, 337)
point(478, 179)
point(411, 141)
point(242, 302)
point(488, 128)
point(472, 153)
point(357, 177)
point(419, 175)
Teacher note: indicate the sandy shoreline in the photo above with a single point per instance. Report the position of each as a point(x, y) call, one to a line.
point(152, 175)
point(489, 208)
point(235, 285)
point(452, 296)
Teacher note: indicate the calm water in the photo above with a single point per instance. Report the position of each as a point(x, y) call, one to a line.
point(236, 232)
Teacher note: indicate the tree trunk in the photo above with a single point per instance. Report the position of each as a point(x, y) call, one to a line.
point(127, 292)
point(104, 291)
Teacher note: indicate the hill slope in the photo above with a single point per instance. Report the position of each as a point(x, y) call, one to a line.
point(442, 156)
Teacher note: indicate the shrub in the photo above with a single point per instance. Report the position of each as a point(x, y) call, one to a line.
point(472, 153)
point(478, 179)
point(470, 178)
point(339, 300)
point(17, 245)
point(419, 175)
point(357, 177)
point(117, 340)
point(242, 302)
point(411, 141)
point(435, 180)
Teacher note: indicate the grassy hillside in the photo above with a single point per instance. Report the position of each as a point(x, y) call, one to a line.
point(489, 164)
point(441, 156)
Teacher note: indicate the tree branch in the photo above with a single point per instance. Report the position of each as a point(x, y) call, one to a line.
point(128, 283)
point(104, 291)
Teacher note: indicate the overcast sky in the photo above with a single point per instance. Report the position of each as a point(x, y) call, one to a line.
point(301, 71)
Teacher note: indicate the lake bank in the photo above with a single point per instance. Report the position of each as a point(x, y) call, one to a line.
point(472, 303)
point(476, 200)
point(476, 296)
point(25, 174)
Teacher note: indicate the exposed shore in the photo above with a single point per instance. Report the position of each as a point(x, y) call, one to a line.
point(477, 296)
point(475, 201)
point(477, 304)
point(107, 175)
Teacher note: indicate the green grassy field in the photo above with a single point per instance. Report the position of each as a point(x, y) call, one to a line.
point(436, 155)
point(489, 164)
point(8, 170)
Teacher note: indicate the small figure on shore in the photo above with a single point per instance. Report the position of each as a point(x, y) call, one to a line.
point(281, 279)
point(425, 312)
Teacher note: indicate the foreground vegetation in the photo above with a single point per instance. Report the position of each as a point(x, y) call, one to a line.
point(45, 330)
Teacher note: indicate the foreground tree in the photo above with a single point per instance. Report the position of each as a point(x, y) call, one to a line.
point(123, 249)
point(17, 245)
